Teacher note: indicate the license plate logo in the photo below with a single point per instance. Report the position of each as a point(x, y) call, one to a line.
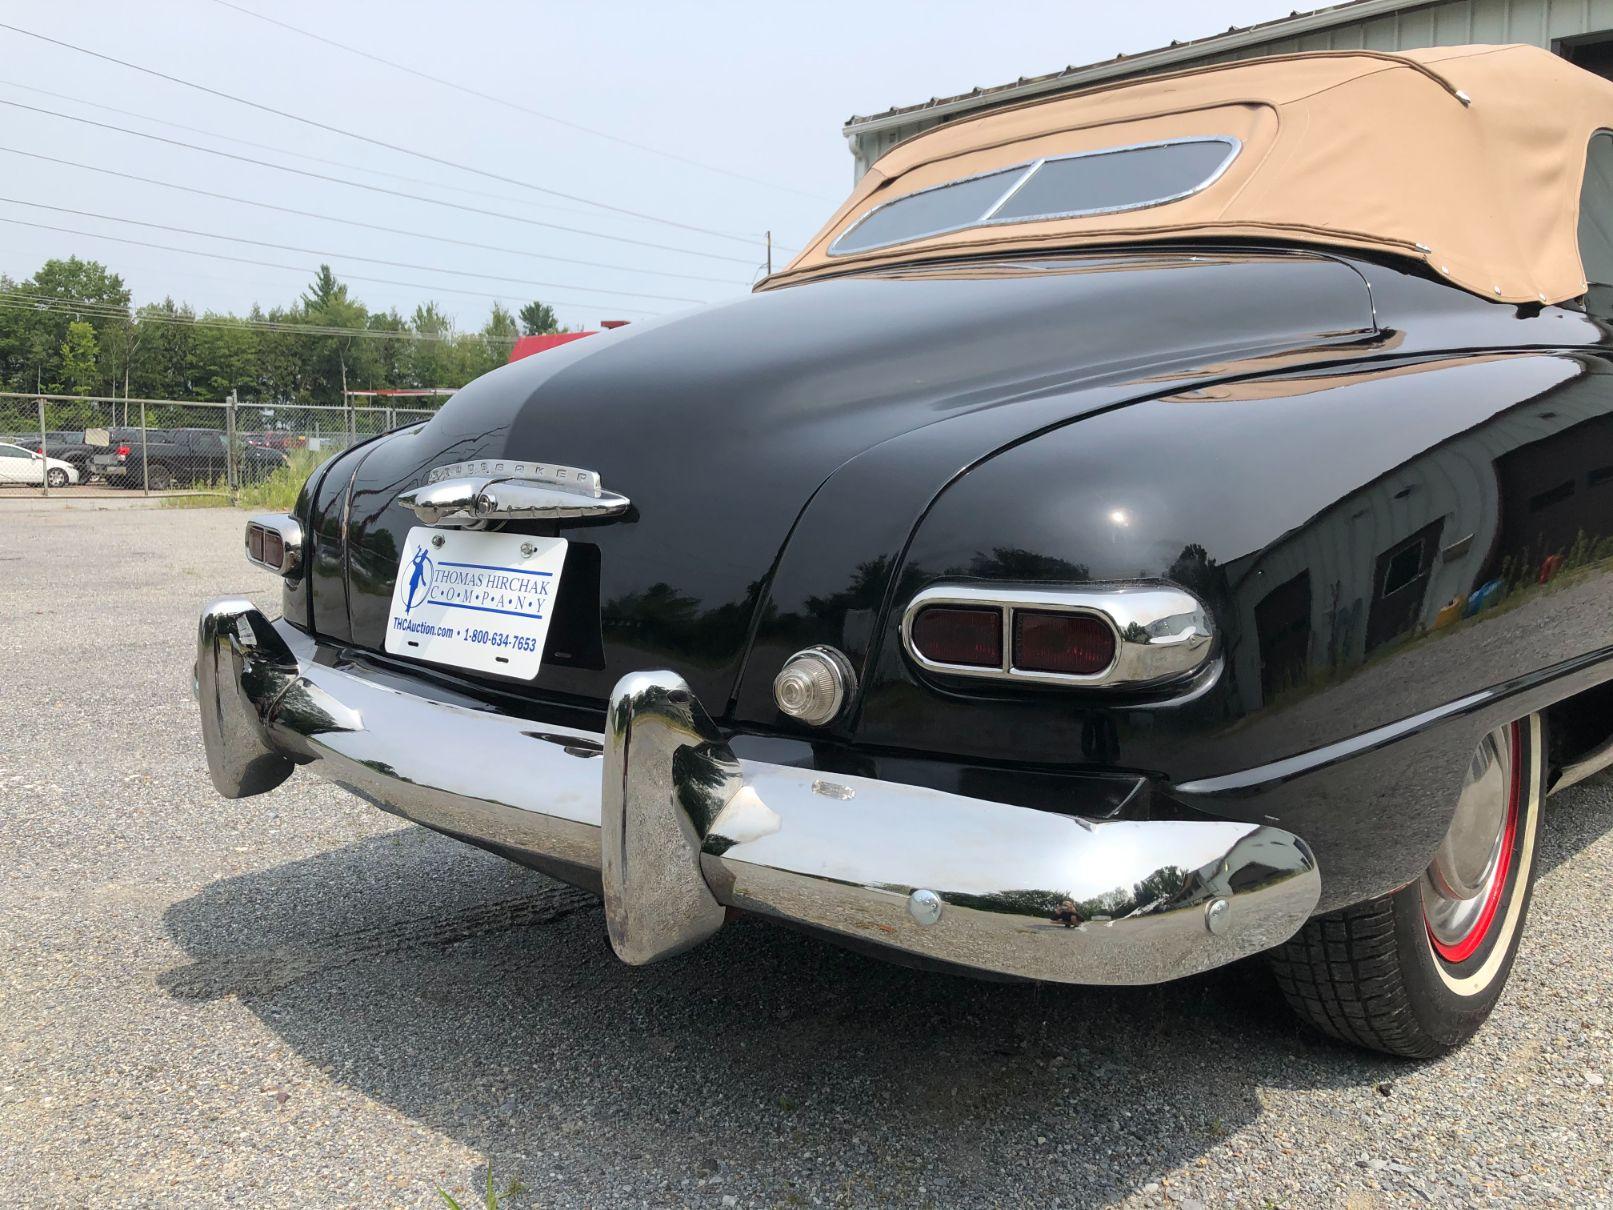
point(476, 601)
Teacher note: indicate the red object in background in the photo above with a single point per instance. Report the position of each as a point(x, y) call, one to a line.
point(529, 345)
point(1549, 567)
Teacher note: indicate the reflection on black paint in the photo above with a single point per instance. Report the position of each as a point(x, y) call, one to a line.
point(1339, 526)
point(664, 619)
point(1283, 629)
point(1400, 577)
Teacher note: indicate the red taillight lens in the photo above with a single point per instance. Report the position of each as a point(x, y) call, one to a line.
point(274, 549)
point(1076, 644)
point(123, 451)
point(950, 634)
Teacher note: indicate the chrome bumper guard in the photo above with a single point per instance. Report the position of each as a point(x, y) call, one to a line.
point(680, 829)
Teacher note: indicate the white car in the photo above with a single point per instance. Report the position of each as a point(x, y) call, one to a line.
point(18, 465)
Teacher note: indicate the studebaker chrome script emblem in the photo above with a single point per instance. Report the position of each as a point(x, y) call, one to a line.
point(498, 489)
point(503, 468)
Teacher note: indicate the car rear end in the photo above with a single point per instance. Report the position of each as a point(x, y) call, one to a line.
point(638, 668)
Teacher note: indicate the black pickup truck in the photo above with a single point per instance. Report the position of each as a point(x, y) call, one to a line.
point(181, 458)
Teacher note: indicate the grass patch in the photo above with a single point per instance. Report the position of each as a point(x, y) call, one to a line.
point(275, 494)
point(489, 1199)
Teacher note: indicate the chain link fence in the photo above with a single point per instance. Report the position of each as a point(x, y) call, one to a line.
point(89, 446)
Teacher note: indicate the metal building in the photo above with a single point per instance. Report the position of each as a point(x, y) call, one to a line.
point(1579, 30)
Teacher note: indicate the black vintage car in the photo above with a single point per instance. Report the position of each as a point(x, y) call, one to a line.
point(1144, 529)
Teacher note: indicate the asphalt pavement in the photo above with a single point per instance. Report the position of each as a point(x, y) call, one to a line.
point(295, 1000)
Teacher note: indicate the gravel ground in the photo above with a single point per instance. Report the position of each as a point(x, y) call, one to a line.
point(295, 1000)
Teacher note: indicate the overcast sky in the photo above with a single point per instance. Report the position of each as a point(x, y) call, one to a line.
point(758, 89)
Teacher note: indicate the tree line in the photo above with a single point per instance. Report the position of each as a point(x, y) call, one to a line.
point(70, 329)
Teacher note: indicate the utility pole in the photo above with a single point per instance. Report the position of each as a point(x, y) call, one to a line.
point(770, 254)
point(128, 356)
point(349, 421)
point(231, 455)
point(145, 453)
point(44, 453)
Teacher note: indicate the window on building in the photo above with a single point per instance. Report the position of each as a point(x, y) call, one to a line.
point(1092, 182)
point(1592, 52)
point(1403, 569)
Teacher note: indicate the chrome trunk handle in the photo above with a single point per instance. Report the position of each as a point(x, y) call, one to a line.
point(480, 499)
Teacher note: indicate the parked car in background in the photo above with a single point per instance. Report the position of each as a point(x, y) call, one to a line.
point(19, 465)
point(1143, 529)
point(71, 446)
point(184, 457)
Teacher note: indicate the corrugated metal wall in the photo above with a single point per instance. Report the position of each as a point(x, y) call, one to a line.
point(1457, 23)
point(1454, 23)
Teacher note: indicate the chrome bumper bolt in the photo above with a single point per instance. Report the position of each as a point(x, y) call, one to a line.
point(924, 906)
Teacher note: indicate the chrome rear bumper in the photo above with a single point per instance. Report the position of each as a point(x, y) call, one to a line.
point(679, 829)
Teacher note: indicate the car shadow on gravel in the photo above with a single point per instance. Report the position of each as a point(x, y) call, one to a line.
point(482, 1001)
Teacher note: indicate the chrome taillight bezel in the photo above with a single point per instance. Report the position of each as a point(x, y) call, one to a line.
point(289, 532)
point(1162, 633)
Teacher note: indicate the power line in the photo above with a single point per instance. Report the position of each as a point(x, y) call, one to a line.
point(352, 222)
point(21, 298)
point(375, 142)
point(413, 197)
point(296, 155)
point(80, 309)
point(26, 302)
point(371, 260)
point(515, 105)
point(241, 260)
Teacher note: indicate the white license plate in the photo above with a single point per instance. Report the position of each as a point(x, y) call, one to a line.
point(477, 601)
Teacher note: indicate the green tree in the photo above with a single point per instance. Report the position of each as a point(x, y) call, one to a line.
point(329, 361)
point(537, 319)
point(160, 361)
point(223, 357)
point(70, 328)
point(388, 355)
point(500, 325)
point(35, 314)
point(80, 352)
point(325, 291)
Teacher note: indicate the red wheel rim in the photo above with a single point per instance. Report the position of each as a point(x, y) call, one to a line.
point(1465, 946)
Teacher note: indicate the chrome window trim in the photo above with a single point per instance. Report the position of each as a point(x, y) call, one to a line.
point(290, 533)
point(1161, 632)
point(1233, 144)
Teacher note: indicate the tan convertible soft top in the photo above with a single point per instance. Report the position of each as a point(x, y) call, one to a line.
point(1467, 157)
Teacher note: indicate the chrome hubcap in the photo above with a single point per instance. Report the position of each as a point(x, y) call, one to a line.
point(1462, 883)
